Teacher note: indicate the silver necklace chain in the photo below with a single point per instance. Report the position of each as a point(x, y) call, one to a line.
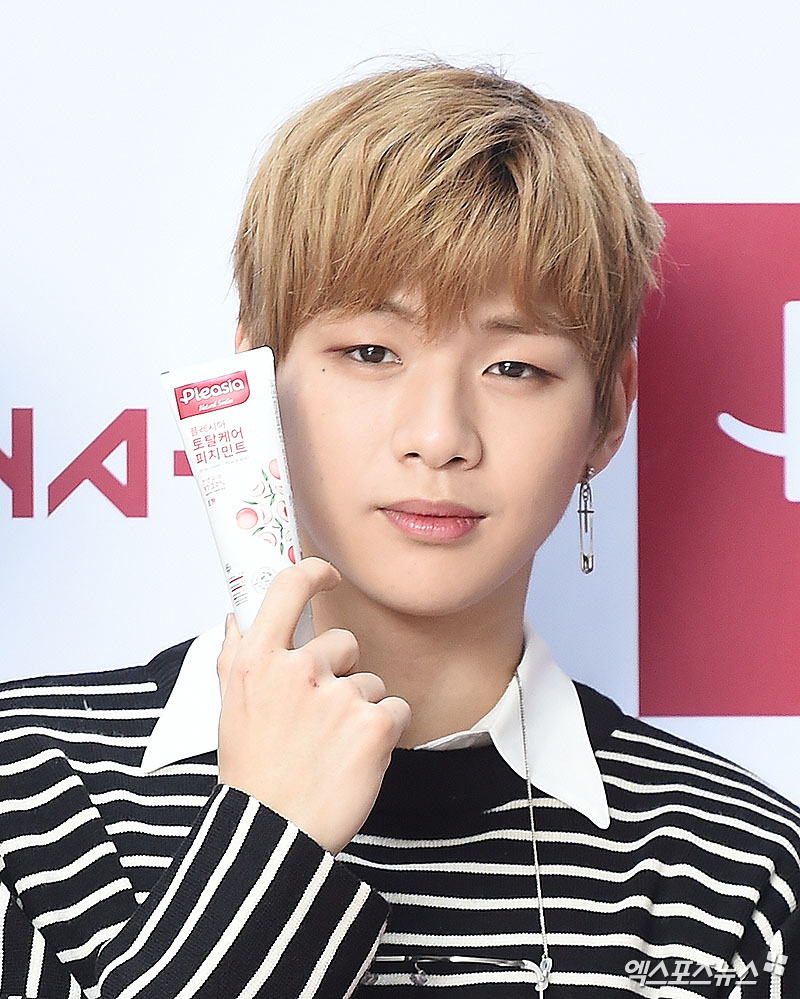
point(546, 964)
point(419, 962)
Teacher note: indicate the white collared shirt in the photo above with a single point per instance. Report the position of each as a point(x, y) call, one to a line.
point(561, 759)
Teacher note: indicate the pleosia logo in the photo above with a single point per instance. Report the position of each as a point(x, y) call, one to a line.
point(212, 395)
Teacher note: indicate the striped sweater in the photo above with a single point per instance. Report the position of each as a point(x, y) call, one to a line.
point(118, 883)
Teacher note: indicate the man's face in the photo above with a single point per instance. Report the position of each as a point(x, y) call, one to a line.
point(429, 471)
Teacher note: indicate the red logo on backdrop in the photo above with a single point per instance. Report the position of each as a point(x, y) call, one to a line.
point(212, 395)
point(719, 466)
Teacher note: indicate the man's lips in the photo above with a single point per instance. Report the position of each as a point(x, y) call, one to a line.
point(432, 508)
point(433, 521)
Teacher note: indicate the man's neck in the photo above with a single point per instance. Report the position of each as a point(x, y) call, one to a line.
point(451, 669)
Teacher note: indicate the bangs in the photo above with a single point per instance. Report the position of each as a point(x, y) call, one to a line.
point(462, 233)
point(447, 183)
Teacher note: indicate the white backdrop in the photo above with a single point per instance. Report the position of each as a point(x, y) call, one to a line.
point(128, 132)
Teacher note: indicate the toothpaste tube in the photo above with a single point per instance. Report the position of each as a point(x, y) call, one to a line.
point(227, 413)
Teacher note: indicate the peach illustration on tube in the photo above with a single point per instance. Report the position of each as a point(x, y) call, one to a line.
point(228, 416)
point(265, 513)
point(246, 518)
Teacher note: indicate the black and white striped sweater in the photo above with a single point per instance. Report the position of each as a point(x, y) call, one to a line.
point(118, 883)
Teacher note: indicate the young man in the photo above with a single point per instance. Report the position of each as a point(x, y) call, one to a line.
point(450, 269)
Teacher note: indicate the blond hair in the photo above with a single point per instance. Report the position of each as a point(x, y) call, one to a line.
point(438, 180)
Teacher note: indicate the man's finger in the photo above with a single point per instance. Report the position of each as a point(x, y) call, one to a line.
point(288, 594)
point(336, 651)
point(399, 712)
point(227, 652)
point(370, 686)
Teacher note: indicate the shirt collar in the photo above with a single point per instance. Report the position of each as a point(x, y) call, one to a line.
point(561, 758)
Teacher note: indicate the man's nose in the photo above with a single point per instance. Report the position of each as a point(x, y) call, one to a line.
point(436, 421)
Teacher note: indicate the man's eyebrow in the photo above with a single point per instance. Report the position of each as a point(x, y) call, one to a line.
point(406, 312)
point(514, 322)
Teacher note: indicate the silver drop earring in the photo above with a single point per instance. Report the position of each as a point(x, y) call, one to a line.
point(586, 521)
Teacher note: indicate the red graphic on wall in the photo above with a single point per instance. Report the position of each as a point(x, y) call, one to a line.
point(130, 496)
point(16, 467)
point(719, 466)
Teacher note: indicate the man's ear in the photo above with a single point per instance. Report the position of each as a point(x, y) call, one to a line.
point(624, 393)
point(242, 339)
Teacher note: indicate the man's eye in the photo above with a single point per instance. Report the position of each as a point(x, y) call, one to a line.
point(517, 369)
point(370, 353)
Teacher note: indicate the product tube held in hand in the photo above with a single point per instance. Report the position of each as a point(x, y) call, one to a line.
point(228, 416)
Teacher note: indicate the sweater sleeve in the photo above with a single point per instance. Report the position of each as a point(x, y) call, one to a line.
point(775, 972)
point(245, 904)
point(250, 907)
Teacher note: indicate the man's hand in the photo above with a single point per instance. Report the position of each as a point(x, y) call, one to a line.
point(300, 729)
